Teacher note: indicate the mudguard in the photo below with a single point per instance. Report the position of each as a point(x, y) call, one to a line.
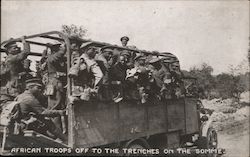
point(205, 126)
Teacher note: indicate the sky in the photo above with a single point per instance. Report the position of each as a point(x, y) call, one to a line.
point(214, 32)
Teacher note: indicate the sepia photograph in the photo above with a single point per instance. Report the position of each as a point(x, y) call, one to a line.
point(125, 78)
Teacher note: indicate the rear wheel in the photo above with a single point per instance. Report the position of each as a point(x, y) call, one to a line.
point(136, 145)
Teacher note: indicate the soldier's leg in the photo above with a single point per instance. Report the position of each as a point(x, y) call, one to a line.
point(55, 130)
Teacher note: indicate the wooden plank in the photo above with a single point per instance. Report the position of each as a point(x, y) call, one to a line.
point(157, 117)
point(175, 112)
point(191, 116)
point(132, 120)
point(32, 140)
point(96, 124)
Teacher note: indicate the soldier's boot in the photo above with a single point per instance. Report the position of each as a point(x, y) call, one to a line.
point(144, 98)
point(118, 98)
point(58, 133)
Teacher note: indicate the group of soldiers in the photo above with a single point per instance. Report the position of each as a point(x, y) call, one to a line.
point(20, 84)
point(117, 75)
point(97, 73)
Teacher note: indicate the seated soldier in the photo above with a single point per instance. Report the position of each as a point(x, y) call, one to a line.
point(177, 83)
point(129, 57)
point(160, 77)
point(117, 77)
point(140, 75)
point(34, 115)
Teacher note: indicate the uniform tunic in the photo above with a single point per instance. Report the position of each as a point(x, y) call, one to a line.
point(29, 103)
point(14, 66)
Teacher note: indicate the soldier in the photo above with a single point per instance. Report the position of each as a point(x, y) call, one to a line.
point(56, 79)
point(178, 90)
point(4, 74)
point(129, 57)
point(4, 98)
point(124, 41)
point(159, 76)
point(105, 61)
point(84, 71)
point(30, 105)
point(118, 76)
point(140, 75)
point(14, 65)
point(105, 58)
point(75, 48)
point(26, 74)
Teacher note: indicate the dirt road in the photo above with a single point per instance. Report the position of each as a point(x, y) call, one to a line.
point(232, 124)
point(235, 142)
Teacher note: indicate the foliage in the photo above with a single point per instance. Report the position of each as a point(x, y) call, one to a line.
point(225, 85)
point(73, 30)
point(205, 80)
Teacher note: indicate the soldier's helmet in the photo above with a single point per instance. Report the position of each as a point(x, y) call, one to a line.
point(34, 81)
point(140, 57)
point(11, 42)
point(125, 38)
point(54, 43)
point(154, 60)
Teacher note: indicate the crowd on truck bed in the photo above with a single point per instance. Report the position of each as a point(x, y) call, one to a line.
point(100, 73)
point(107, 73)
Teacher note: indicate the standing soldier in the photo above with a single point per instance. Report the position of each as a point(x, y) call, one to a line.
point(56, 79)
point(86, 73)
point(105, 60)
point(75, 48)
point(14, 65)
point(131, 54)
point(26, 74)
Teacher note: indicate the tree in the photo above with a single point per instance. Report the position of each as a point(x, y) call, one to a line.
point(205, 80)
point(73, 30)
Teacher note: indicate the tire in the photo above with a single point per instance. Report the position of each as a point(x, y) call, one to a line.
point(209, 142)
point(135, 145)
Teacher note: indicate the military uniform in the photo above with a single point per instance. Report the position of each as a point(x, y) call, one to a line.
point(160, 75)
point(26, 74)
point(14, 65)
point(105, 64)
point(29, 103)
point(86, 73)
point(56, 81)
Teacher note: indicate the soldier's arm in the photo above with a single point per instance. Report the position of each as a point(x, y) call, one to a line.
point(25, 52)
point(53, 113)
point(97, 73)
point(58, 55)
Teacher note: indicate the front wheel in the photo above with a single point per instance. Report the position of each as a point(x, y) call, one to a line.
point(209, 142)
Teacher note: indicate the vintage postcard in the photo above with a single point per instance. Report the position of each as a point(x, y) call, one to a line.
point(125, 78)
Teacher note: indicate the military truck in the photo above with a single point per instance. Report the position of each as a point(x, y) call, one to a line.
point(166, 123)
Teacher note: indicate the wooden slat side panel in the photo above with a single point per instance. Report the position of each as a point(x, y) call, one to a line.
point(96, 124)
point(191, 116)
point(133, 120)
point(157, 117)
point(176, 115)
